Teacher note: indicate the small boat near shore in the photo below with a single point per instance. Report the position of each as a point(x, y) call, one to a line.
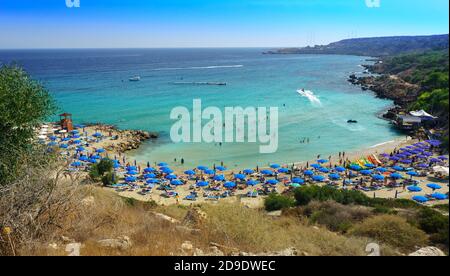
point(136, 78)
point(199, 83)
point(352, 122)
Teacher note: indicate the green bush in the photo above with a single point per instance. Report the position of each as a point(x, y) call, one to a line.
point(306, 194)
point(276, 202)
point(107, 179)
point(391, 230)
point(435, 224)
point(102, 171)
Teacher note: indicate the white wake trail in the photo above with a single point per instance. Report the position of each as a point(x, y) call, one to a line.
point(310, 96)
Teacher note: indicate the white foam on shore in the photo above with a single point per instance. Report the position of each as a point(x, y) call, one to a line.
point(198, 68)
point(382, 144)
point(310, 96)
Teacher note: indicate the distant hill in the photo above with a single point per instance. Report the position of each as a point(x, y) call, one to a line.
point(376, 47)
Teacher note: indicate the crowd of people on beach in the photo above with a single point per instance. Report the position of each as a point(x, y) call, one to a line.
point(404, 170)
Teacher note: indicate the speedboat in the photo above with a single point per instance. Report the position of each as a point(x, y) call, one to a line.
point(137, 78)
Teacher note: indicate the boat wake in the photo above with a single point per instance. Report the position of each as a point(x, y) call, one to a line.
point(310, 96)
point(198, 68)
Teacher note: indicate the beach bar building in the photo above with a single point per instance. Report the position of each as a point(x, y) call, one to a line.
point(408, 122)
point(66, 121)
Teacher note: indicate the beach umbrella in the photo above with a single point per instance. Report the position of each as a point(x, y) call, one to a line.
point(116, 165)
point(414, 189)
point(283, 170)
point(398, 168)
point(248, 171)
point(132, 168)
point(97, 135)
point(275, 166)
point(239, 176)
point(394, 158)
point(348, 182)
point(385, 155)
point(396, 176)
point(422, 156)
point(369, 165)
point(202, 168)
point(93, 160)
point(334, 176)
point(439, 196)
point(355, 168)
point(381, 170)
point(152, 181)
point(203, 184)
point(76, 136)
point(229, 185)
point(53, 138)
point(162, 164)
point(52, 144)
point(434, 186)
point(221, 168)
point(210, 172)
point(150, 175)
point(149, 170)
point(189, 172)
point(435, 160)
point(412, 173)
point(64, 146)
point(420, 199)
point(252, 183)
point(423, 166)
point(295, 185)
point(76, 164)
point(298, 180)
point(324, 170)
point(318, 178)
point(406, 161)
point(308, 173)
point(100, 151)
point(443, 157)
point(176, 182)
point(272, 182)
point(171, 177)
point(130, 179)
point(267, 172)
point(83, 158)
point(167, 170)
point(366, 172)
point(219, 178)
point(76, 142)
point(340, 169)
point(322, 161)
point(378, 177)
point(316, 166)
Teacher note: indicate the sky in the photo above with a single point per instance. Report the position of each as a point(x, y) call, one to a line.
point(212, 23)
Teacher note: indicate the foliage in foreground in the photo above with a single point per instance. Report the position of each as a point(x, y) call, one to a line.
point(275, 202)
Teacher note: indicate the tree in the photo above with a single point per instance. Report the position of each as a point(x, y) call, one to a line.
point(24, 105)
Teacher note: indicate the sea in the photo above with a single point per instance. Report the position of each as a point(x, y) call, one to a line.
point(93, 85)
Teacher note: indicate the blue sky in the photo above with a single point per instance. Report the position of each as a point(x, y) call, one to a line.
point(211, 23)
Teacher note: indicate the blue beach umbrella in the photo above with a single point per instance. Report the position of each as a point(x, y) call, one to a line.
point(221, 168)
point(150, 175)
point(443, 158)
point(324, 170)
point(76, 164)
point(83, 158)
point(132, 173)
point(100, 150)
point(316, 166)
point(219, 178)
point(406, 161)
point(116, 165)
point(52, 144)
point(308, 173)
point(267, 172)
point(203, 184)
point(162, 164)
point(272, 182)
point(414, 189)
point(249, 171)
point(64, 146)
point(176, 182)
point(189, 172)
point(152, 181)
point(369, 165)
point(275, 166)
point(53, 138)
point(381, 170)
point(230, 185)
point(252, 183)
point(202, 168)
point(149, 170)
point(420, 199)
point(298, 180)
point(171, 177)
point(93, 160)
point(366, 172)
point(167, 170)
point(132, 168)
point(97, 135)
point(130, 179)
point(434, 186)
point(412, 173)
point(210, 172)
point(340, 169)
point(239, 176)
point(318, 178)
point(398, 168)
point(435, 160)
point(355, 168)
point(322, 161)
point(334, 176)
point(439, 196)
point(283, 170)
point(396, 176)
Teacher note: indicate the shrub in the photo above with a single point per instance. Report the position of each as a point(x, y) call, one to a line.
point(435, 224)
point(392, 230)
point(102, 171)
point(306, 194)
point(336, 217)
point(276, 202)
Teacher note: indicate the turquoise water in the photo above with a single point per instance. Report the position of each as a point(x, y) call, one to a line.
point(94, 86)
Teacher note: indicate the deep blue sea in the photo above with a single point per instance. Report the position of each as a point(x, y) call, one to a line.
point(94, 86)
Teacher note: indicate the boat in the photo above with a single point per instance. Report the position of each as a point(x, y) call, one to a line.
point(136, 78)
point(352, 121)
